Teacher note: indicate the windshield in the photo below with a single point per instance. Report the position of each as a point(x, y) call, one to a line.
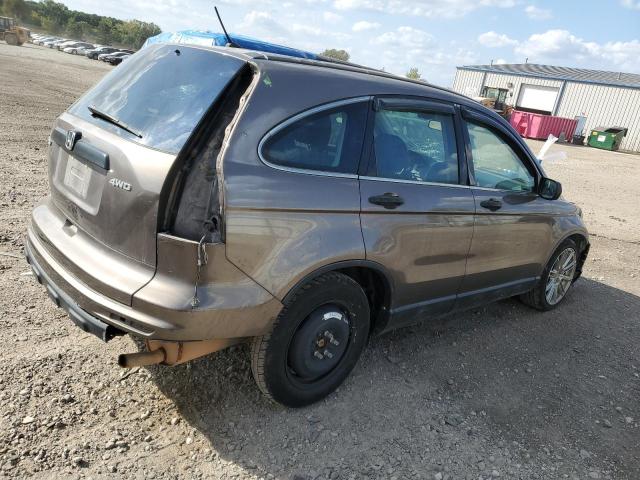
point(161, 92)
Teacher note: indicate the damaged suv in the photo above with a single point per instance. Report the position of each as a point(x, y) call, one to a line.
point(202, 197)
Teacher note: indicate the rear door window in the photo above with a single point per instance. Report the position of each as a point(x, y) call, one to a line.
point(415, 146)
point(161, 93)
point(327, 141)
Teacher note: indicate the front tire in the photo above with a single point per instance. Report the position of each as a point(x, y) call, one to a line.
point(314, 343)
point(556, 280)
point(11, 39)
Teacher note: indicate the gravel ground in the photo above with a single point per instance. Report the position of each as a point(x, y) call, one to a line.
point(501, 391)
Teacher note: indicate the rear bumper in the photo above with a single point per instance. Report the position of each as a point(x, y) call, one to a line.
point(230, 304)
point(82, 319)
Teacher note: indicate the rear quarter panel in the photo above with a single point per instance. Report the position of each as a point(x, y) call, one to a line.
point(281, 225)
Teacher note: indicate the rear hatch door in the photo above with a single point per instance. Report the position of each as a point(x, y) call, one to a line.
point(113, 150)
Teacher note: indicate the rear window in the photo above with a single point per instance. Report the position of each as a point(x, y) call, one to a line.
point(161, 93)
point(328, 141)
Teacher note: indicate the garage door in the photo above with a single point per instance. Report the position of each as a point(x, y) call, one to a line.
point(536, 98)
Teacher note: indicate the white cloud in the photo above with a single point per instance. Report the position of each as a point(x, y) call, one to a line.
point(331, 17)
point(562, 47)
point(493, 39)
point(399, 50)
point(262, 20)
point(418, 8)
point(633, 4)
point(363, 25)
point(500, 61)
point(405, 37)
point(536, 13)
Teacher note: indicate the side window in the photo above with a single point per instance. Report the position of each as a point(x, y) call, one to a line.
point(495, 164)
point(417, 146)
point(328, 141)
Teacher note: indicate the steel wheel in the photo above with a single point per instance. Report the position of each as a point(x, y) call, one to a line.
point(560, 276)
point(315, 341)
point(320, 343)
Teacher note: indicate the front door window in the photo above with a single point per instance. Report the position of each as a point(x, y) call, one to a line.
point(495, 164)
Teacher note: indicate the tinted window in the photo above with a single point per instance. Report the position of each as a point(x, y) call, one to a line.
point(495, 163)
point(329, 141)
point(417, 146)
point(161, 92)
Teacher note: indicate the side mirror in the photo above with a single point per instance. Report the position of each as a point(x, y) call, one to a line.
point(549, 189)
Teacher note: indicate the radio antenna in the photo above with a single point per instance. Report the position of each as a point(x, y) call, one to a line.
point(230, 42)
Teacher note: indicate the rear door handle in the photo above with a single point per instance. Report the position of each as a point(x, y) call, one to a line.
point(492, 204)
point(387, 200)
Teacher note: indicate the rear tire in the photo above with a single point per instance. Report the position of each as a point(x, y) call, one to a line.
point(315, 342)
point(556, 279)
point(11, 38)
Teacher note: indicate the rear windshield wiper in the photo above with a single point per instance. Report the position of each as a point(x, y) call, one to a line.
point(105, 116)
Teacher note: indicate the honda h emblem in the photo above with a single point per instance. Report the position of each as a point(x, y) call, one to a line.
point(72, 137)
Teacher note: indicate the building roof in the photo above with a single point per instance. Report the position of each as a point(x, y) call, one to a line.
point(552, 72)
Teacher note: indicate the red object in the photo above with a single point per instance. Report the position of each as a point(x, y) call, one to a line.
point(535, 125)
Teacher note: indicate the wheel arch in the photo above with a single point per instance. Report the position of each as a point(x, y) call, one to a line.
point(374, 279)
point(581, 239)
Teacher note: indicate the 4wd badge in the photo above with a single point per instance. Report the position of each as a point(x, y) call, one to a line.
point(116, 182)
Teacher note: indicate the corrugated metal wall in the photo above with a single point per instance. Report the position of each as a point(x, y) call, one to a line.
point(605, 106)
point(468, 82)
point(602, 105)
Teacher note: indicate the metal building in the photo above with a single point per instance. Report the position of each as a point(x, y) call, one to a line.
point(608, 99)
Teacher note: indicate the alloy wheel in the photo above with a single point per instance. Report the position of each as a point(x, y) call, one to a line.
point(560, 276)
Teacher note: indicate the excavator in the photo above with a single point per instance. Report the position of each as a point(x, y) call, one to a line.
point(11, 33)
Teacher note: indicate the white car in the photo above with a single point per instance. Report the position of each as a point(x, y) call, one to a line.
point(53, 42)
point(85, 51)
point(76, 48)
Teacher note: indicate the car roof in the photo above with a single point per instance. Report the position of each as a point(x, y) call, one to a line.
point(405, 86)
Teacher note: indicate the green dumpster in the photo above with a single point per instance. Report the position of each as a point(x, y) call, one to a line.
point(607, 138)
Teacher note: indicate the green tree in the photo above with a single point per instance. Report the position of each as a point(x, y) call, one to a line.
point(135, 32)
point(78, 29)
point(57, 13)
point(106, 32)
point(16, 8)
point(341, 55)
point(56, 18)
point(413, 74)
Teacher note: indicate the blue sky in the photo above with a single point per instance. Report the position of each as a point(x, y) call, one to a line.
point(435, 36)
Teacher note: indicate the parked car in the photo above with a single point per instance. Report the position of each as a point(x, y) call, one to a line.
point(117, 59)
point(76, 47)
point(42, 40)
point(93, 54)
point(114, 58)
point(212, 205)
point(83, 51)
point(103, 56)
point(54, 41)
point(69, 43)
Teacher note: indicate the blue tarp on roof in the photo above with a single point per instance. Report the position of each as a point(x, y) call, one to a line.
point(197, 37)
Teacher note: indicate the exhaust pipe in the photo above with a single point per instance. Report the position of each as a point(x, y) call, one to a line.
point(139, 359)
point(173, 353)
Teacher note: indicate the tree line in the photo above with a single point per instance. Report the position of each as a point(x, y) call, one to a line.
point(57, 19)
point(413, 73)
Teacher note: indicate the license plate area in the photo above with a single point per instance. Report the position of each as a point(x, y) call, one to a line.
point(77, 176)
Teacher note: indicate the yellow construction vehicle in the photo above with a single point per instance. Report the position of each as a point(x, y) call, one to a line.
point(11, 33)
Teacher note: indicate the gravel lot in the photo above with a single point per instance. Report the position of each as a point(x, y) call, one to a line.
point(501, 391)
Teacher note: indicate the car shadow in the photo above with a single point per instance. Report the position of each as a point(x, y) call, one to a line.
point(504, 381)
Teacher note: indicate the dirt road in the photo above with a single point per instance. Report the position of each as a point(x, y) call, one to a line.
point(501, 391)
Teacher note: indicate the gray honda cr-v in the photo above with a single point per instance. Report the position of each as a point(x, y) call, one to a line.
point(205, 196)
